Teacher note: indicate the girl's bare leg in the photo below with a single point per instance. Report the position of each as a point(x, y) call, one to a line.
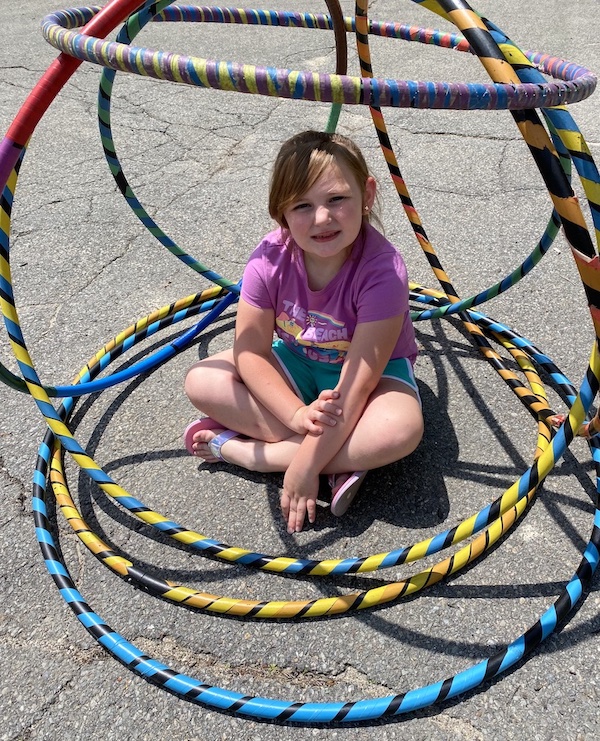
point(390, 428)
point(214, 387)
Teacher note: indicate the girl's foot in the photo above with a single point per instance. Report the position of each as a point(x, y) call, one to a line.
point(205, 437)
point(200, 444)
point(197, 443)
point(337, 480)
point(344, 487)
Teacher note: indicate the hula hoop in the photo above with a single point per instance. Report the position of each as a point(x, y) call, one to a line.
point(173, 13)
point(196, 691)
point(576, 83)
point(495, 528)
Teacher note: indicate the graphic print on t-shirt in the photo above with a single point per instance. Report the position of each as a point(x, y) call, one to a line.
point(315, 335)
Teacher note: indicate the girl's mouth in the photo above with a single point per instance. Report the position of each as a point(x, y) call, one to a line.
point(325, 237)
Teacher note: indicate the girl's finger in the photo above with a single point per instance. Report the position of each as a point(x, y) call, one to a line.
point(300, 514)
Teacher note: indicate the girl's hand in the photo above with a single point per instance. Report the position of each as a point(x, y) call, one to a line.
point(324, 410)
point(299, 498)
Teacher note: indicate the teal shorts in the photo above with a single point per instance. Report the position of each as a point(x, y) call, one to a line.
point(309, 377)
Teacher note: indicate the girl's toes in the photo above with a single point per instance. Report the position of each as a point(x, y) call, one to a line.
point(200, 445)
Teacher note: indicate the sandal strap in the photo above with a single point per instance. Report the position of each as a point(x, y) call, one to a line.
point(218, 441)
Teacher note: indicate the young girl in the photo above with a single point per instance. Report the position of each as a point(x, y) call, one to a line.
point(335, 392)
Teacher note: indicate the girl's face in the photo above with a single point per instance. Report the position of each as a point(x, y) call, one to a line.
point(326, 220)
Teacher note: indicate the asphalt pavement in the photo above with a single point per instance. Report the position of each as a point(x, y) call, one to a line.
point(84, 268)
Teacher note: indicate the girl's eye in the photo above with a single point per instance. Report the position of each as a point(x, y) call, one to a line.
point(299, 206)
point(337, 199)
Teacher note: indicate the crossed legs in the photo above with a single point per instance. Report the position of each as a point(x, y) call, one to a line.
point(390, 427)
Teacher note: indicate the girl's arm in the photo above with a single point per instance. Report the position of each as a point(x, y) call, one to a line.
point(258, 369)
point(369, 353)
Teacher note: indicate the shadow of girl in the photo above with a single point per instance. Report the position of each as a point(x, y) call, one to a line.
point(412, 493)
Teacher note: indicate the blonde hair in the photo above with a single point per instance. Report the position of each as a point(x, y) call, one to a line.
point(302, 160)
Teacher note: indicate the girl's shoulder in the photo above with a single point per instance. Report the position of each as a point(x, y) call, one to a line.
point(277, 240)
point(265, 268)
point(272, 256)
point(377, 248)
point(273, 246)
point(374, 242)
point(379, 262)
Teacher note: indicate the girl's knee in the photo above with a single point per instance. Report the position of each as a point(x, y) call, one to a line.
point(416, 434)
point(409, 435)
point(195, 380)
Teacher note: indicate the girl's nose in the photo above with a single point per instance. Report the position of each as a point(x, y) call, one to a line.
point(322, 215)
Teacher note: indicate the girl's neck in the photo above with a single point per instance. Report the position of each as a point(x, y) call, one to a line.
point(320, 272)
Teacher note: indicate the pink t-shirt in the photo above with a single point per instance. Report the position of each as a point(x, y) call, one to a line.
point(319, 325)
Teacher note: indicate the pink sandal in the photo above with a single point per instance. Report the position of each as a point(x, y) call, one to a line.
point(207, 423)
point(344, 493)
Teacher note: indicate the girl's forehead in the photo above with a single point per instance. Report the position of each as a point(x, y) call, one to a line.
point(336, 174)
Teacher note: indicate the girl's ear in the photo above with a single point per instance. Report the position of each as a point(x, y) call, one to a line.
point(370, 189)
